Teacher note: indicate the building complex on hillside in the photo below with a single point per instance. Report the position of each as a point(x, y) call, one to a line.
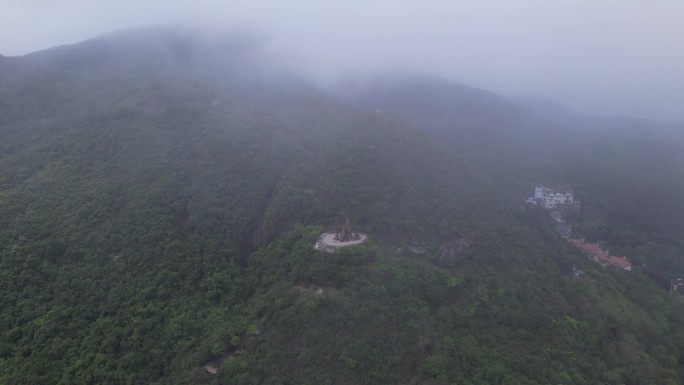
point(551, 198)
point(558, 200)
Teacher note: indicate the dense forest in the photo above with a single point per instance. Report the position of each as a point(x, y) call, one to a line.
point(161, 191)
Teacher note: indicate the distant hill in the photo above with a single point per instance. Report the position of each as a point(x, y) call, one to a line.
point(548, 109)
point(161, 190)
point(483, 127)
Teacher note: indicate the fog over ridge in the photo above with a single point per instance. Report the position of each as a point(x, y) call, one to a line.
point(610, 57)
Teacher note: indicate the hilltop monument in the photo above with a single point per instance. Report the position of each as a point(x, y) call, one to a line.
point(346, 234)
point(332, 242)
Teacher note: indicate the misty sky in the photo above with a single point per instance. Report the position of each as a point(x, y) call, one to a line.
point(621, 57)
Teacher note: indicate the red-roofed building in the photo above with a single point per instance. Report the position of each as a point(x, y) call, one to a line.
point(620, 262)
point(601, 256)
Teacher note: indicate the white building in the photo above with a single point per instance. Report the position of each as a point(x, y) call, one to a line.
point(550, 198)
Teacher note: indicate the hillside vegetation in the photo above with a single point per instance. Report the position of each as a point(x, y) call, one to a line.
point(161, 191)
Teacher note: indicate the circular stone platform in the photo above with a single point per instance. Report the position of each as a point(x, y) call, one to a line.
point(328, 242)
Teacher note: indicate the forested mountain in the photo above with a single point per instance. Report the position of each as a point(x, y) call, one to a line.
point(161, 191)
point(628, 173)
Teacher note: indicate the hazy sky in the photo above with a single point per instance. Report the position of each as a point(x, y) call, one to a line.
point(597, 56)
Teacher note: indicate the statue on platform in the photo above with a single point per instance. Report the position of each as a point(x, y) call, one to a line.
point(333, 242)
point(346, 234)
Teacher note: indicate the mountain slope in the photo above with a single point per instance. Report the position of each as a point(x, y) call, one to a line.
point(481, 126)
point(626, 172)
point(158, 209)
